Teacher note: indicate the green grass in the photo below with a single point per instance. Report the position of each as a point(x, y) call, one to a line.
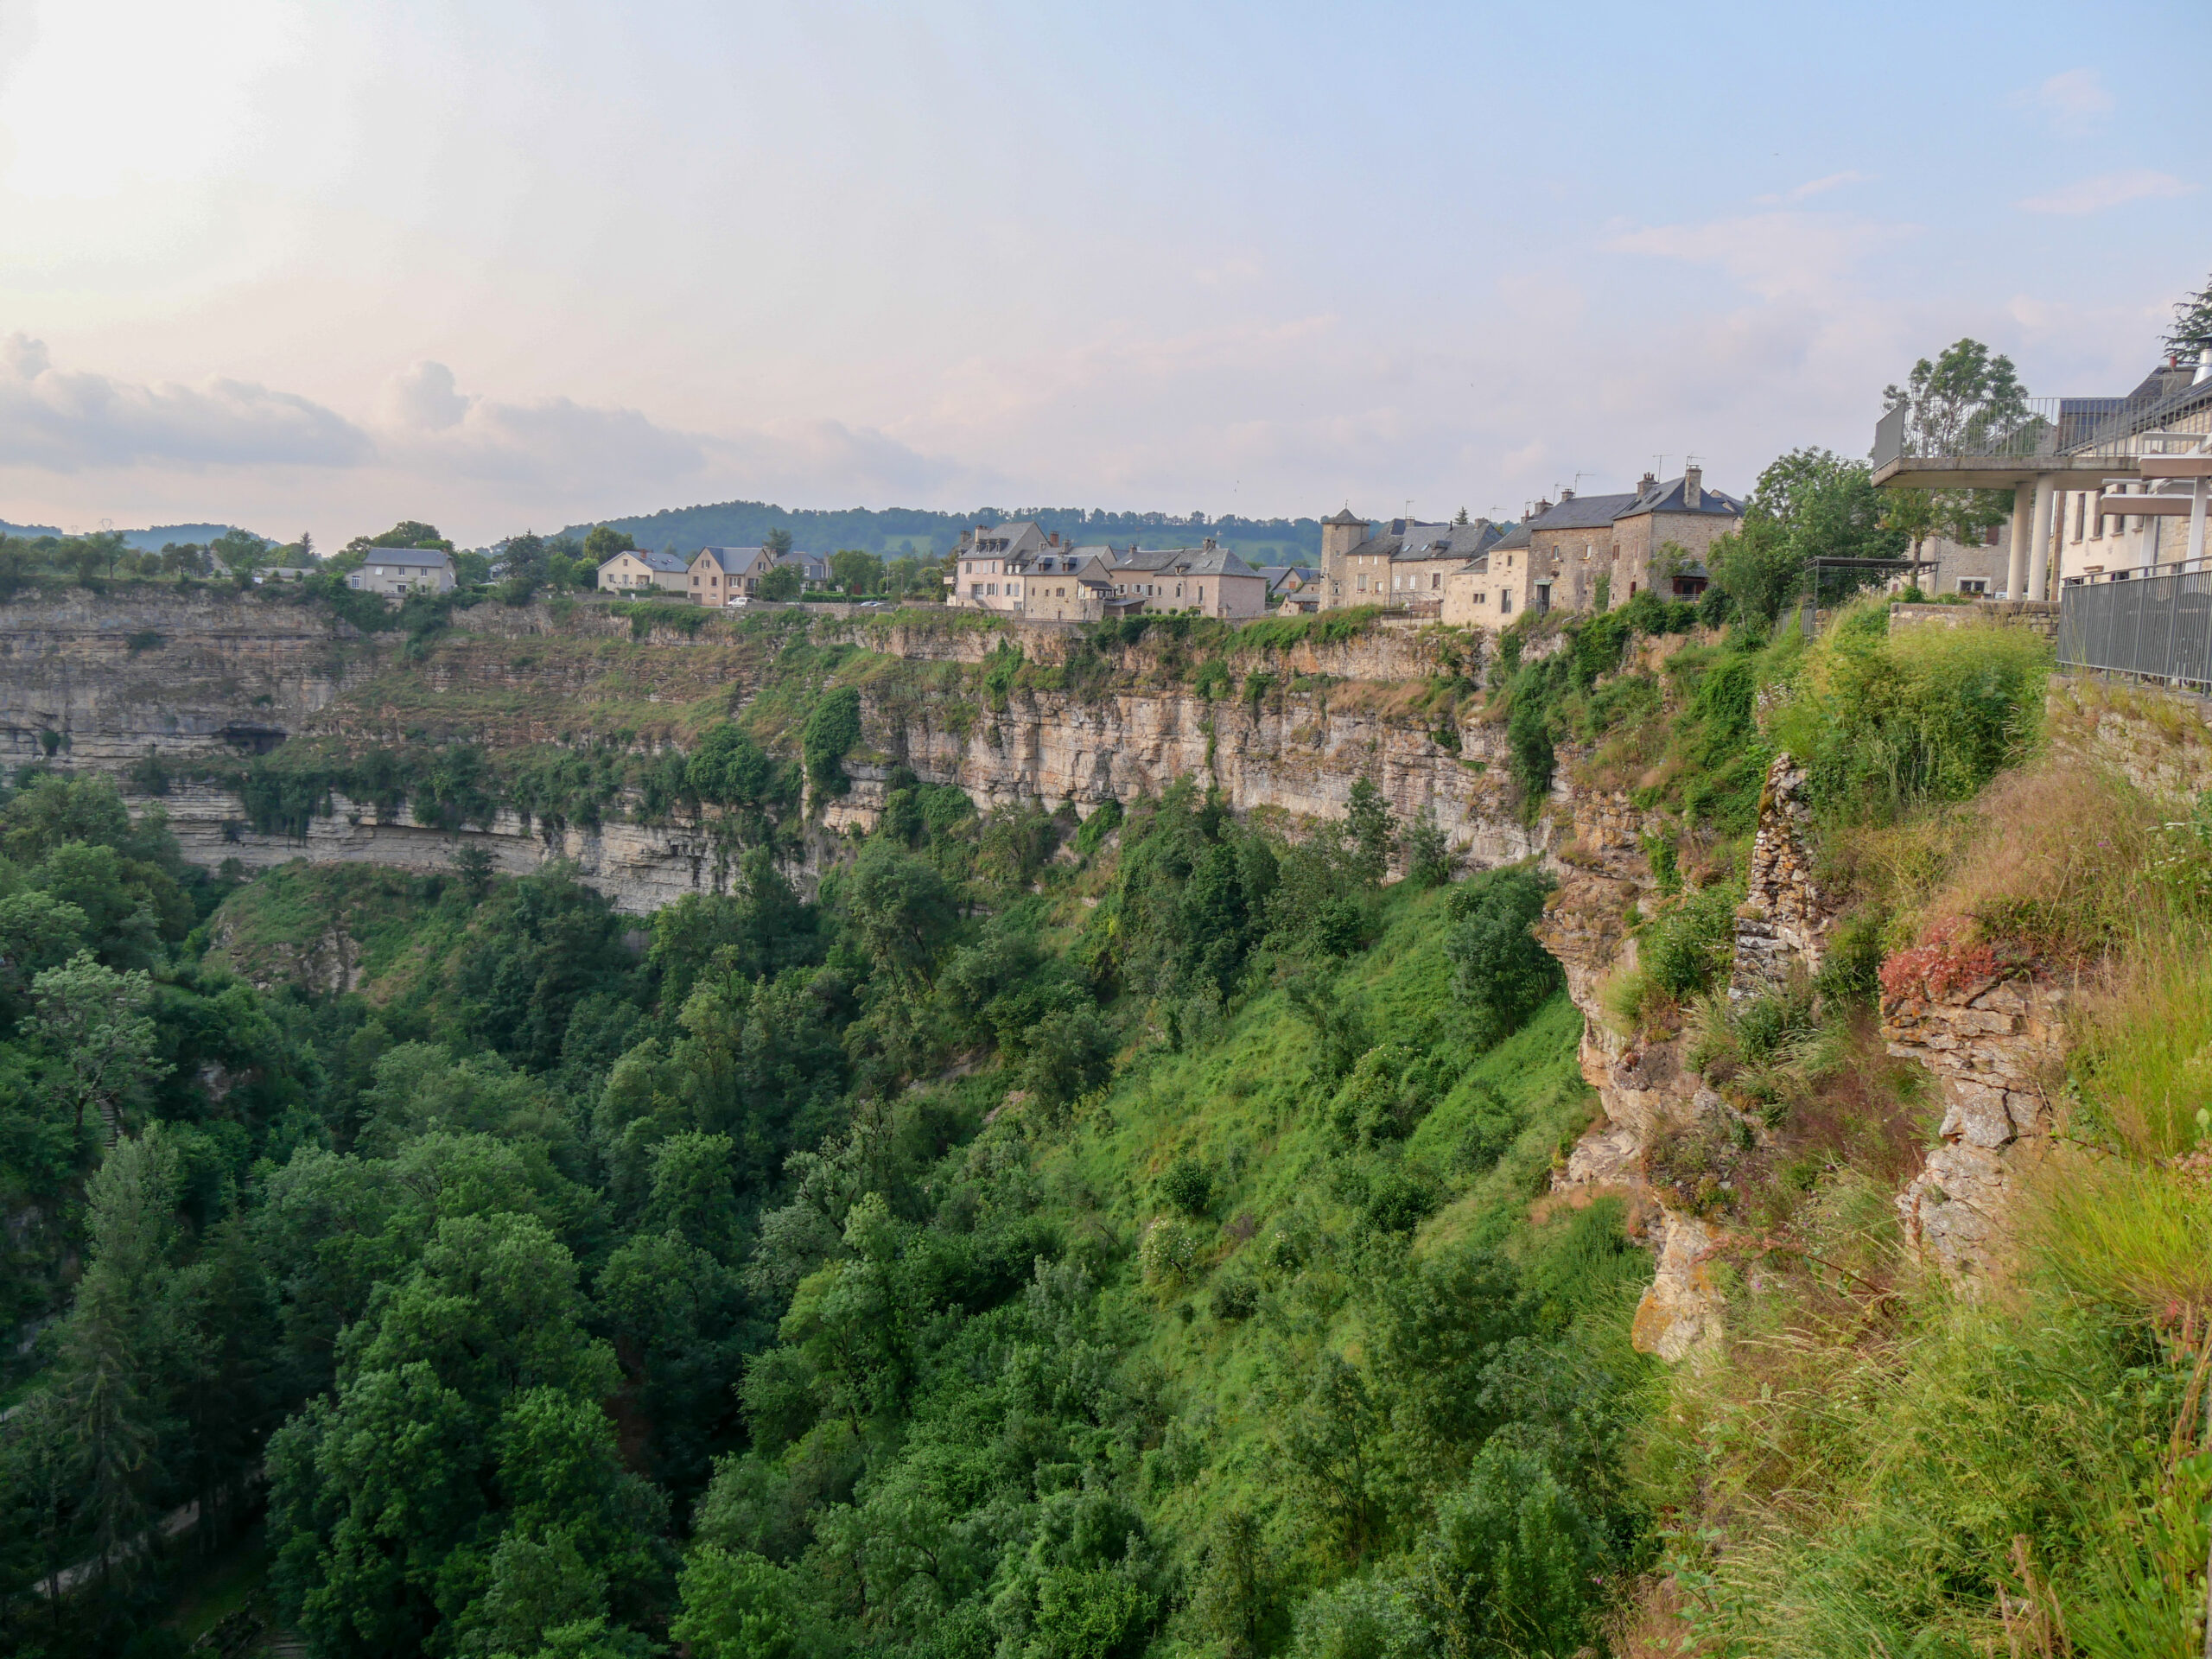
point(1247, 1108)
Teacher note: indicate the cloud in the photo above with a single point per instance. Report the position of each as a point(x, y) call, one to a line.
point(63, 421)
point(2073, 101)
point(557, 447)
point(1796, 255)
point(430, 423)
point(2108, 190)
point(1814, 187)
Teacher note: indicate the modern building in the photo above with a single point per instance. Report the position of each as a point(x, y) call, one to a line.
point(2072, 465)
point(403, 570)
point(628, 572)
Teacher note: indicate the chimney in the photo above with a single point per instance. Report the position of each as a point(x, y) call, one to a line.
point(1692, 487)
point(1566, 495)
point(1056, 538)
point(1647, 485)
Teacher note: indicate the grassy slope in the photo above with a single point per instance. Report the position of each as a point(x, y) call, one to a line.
point(1244, 1105)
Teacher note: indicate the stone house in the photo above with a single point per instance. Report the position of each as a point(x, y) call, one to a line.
point(628, 572)
point(1209, 580)
point(1513, 580)
point(396, 570)
point(1682, 513)
point(1018, 569)
point(1429, 555)
point(1403, 565)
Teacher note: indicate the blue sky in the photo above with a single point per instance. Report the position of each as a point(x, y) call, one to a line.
point(499, 265)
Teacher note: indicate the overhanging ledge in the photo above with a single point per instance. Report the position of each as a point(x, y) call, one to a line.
point(2000, 471)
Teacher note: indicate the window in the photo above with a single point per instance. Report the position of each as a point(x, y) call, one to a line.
point(1972, 585)
point(974, 590)
point(1435, 579)
point(1504, 601)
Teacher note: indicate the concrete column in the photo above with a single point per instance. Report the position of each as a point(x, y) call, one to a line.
point(2015, 568)
point(2040, 539)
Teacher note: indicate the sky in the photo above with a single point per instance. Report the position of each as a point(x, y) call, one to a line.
point(497, 266)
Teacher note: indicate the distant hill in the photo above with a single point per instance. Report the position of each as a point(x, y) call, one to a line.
point(894, 530)
point(150, 540)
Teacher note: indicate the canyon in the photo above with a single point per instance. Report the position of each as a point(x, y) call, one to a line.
point(171, 695)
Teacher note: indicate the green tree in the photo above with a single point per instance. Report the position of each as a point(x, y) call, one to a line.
point(1368, 816)
point(2191, 332)
point(776, 543)
point(856, 571)
point(782, 582)
point(1428, 851)
point(1807, 504)
point(736, 1606)
point(901, 911)
point(1497, 967)
point(241, 552)
point(113, 1353)
point(1968, 400)
point(604, 542)
point(832, 731)
point(100, 1047)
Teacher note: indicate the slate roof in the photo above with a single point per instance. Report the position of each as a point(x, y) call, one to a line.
point(1347, 516)
point(1185, 561)
point(1459, 541)
point(675, 563)
point(1668, 497)
point(1516, 536)
point(1585, 512)
point(735, 561)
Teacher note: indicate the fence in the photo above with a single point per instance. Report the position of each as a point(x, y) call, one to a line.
point(2155, 627)
point(2033, 429)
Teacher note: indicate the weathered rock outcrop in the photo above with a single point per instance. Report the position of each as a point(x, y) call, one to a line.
point(1784, 916)
point(1993, 1046)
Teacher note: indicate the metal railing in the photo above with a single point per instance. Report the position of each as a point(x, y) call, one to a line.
point(2042, 427)
point(2153, 627)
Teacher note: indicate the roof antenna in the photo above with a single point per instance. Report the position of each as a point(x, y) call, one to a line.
point(1658, 468)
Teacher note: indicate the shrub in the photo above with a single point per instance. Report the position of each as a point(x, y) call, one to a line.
point(1365, 1618)
point(1168, 1254)
point(1497, 967)
point(1235, 1298)
point(832, 731)
point(1515, 1559)
point(1187, 1184)
point(1691, 945)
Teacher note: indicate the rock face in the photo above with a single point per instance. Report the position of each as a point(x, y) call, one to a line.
point(1647, 1089)
point(1993, 1044)
point(1783, 916)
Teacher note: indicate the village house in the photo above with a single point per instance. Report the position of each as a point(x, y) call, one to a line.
point(628, 572)
point(1403, 565)
point(1661, 539)
point(718, 574)
point(1209, 580)
point(1018, 569)
point(395, 571)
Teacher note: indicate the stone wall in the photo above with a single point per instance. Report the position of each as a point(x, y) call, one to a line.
point(2036, 615)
